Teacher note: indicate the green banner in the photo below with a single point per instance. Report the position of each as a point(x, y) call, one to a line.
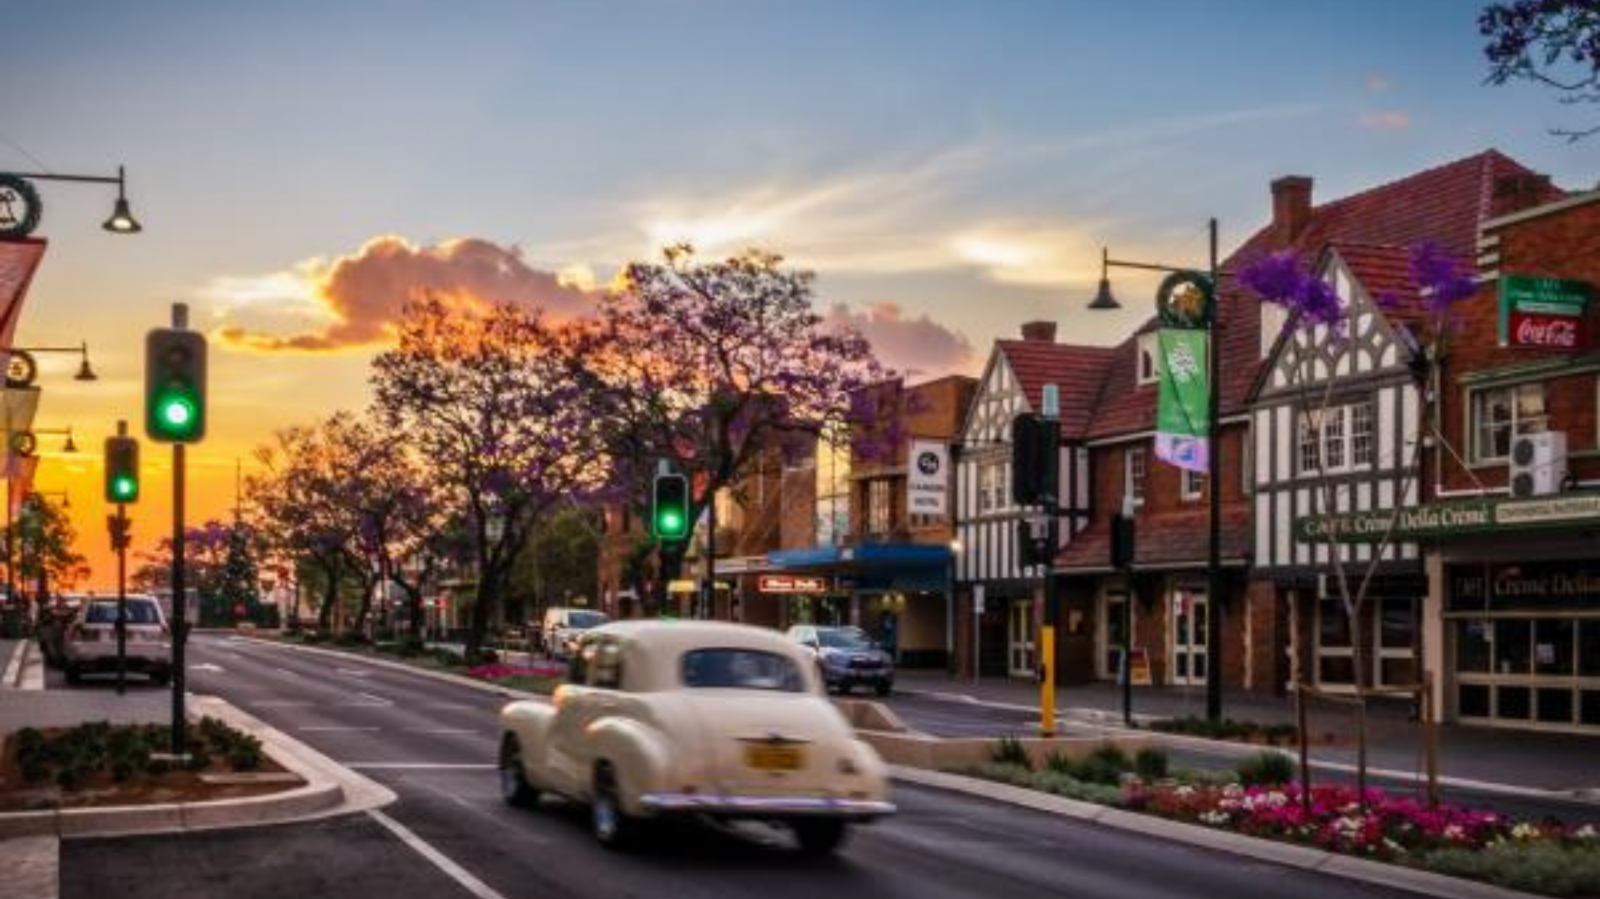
point(1183, 405)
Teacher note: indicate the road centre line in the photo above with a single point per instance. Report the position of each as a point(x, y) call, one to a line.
point(441, 861)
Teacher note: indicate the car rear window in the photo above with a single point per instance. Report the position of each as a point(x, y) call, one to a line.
point(740, 669)
point(140, 612)
point(843, 638)
point(585, 620)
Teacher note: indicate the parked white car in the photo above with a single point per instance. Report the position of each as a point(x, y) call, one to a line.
point(91, 642)
point(667, 718)
point(562, 626)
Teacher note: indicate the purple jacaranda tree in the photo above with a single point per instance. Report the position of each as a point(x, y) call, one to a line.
point(488, 398)
point(707, 365)
point(1424, 316)
point(1555, 43)
point(295, 503)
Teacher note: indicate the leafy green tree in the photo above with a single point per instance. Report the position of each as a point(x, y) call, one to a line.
point(44, 547)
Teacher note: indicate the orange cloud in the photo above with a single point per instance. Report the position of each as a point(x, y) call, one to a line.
point(913, 345)
point(363, 293)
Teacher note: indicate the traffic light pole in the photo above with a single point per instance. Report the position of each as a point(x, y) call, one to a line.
point(1050, 400)
point(119, 542)
point(180, 622)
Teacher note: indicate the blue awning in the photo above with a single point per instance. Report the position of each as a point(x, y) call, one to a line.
point(872, 566)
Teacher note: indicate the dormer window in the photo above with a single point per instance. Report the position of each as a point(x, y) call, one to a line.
point(1149, 359)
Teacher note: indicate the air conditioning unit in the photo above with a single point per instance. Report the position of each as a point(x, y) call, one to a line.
point(1538, 463)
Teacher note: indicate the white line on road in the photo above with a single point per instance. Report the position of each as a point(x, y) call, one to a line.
point(417, 766)
point(443, 862)
point(285, 671)
point(330, 728)
point(203, 666)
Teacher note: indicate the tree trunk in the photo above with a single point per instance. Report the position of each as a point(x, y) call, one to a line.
point(487, 594)
point(330, 598)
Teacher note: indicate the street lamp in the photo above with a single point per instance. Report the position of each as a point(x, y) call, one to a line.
point(21, 208)
point(66, 447)
point(1205, 282)
point(22, 370)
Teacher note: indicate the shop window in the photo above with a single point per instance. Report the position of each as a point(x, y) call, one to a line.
point(1555, 705)
point(1513, 647)
point(1473, 648)
point(1589, 708)
point(1552, 646)
point(1502, 412)
point(1589, 649)
point(1397, 623)
point(1193, 484)
point(1333, 625)
point(1397, 671)
point(1513, 703)
point(1336, 669)
point(1472, 701)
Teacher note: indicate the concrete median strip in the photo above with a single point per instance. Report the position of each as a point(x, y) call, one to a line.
point(1287, 854)
point(329, 789)
point(393, 665)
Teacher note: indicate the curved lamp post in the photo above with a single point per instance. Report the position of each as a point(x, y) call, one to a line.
point(21, 208)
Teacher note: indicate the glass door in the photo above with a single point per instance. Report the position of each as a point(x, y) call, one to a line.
point(1189, 611)
point(1113, 611)
point(1019, 633)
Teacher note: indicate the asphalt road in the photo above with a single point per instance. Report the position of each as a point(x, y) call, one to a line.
point(433, 743)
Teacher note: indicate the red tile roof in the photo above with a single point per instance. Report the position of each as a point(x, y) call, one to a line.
point(1165, 539)
point(1445, 204)
point(1076, 370)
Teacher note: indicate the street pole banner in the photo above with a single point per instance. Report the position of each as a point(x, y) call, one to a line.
point(928, 481)
point(1183, 403)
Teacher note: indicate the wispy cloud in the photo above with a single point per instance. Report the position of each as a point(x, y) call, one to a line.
point(1385, 120)
point(911, 344)
point(1376, 83)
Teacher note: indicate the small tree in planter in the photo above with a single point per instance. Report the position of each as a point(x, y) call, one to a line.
point(1424, 321)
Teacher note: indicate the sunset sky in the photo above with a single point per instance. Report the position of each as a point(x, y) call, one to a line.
point(950, 169)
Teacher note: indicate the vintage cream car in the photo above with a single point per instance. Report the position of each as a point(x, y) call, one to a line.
point(662, 718)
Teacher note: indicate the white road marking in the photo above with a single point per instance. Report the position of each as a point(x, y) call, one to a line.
point(441, 861)
point(368, 700)
point(329, 728)
point(418, 766)
point(354, 672)
point(286, 671)
point(207, 666)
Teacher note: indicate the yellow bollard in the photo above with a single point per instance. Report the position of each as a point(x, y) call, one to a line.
point(1047, 681)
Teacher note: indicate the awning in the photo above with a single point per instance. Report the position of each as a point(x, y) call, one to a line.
point(872, 566)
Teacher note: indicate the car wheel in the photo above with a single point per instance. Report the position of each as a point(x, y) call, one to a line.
point(820, 837)
point(611, 825)
point(884, 689)
point(161, 678)
point(73, 677)
point(514, 786)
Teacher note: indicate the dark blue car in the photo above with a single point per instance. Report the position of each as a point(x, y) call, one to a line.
point(847, 658)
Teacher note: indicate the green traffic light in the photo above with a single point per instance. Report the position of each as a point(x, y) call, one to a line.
point(670, 522)
point(124, 487)
point(176, 414)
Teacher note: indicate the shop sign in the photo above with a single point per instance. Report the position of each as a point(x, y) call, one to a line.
point(928, 482)
point(791, 583)
point(1543, 312)
point(1524, 585)
point(1451, 519)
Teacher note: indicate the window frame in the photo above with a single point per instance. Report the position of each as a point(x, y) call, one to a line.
point(1479, 398)
point(1134, 485)
point(1191, 485)
point(1149, 352)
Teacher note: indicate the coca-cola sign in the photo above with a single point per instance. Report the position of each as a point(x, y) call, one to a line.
point(1547, 313)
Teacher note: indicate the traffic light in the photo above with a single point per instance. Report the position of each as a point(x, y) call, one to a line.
point(122, 470)
point(669, 507)
point(175, 385)
point(1035, 456)
point(1031, 549)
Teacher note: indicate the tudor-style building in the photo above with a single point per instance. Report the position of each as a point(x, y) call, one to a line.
point(987, 520)
point(1335, 425)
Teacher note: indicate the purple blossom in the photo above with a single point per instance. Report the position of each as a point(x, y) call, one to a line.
point(1280, 279)
point(1436, 274)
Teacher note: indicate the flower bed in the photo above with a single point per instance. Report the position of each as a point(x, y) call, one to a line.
point(1547, 857)
point(1229, 729)
point(537, 678)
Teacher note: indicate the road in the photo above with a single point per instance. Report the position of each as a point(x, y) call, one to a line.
point(433, 743)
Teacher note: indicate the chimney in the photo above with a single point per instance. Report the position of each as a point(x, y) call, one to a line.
point(1291, 206)
point(1041, 332)
point(1514, 193)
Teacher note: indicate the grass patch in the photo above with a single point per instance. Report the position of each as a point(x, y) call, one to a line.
point(1537, 867)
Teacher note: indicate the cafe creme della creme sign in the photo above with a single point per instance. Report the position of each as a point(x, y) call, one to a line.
point(1451, 519)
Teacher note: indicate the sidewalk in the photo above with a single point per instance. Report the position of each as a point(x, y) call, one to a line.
point(1530, 759)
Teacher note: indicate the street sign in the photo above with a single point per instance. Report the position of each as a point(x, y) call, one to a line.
point(791, 583)
point(928, 480)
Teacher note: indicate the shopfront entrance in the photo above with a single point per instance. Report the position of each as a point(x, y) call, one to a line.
point(1188, 635)
point(1021, 659)
point(1110, 633)
point(1525, 644)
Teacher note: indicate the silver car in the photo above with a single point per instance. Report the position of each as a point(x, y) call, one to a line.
point(91, 644)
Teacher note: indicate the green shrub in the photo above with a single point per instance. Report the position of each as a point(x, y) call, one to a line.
point(1010, 751)
point(1265, 769)
point(1060, 763)
point(1150, 763)
point(1074, 788)
point(1537, 867)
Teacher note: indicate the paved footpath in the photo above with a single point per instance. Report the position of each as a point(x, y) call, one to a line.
point(1534, 760)
point(433, 743)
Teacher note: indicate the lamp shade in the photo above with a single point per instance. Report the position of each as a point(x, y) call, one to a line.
point(122, 220)
point(1103, 298)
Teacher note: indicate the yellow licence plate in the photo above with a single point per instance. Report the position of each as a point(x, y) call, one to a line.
point(775, 758)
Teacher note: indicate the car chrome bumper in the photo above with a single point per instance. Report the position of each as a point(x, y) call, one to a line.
point(762, 806)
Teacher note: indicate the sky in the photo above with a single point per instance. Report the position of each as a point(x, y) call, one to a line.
point(948, 168)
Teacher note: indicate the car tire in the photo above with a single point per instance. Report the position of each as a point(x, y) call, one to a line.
point(611, 825)
point(73, 677)
point(820, 837)
point(884, 689)
point(161, 678)
point(514, 786)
